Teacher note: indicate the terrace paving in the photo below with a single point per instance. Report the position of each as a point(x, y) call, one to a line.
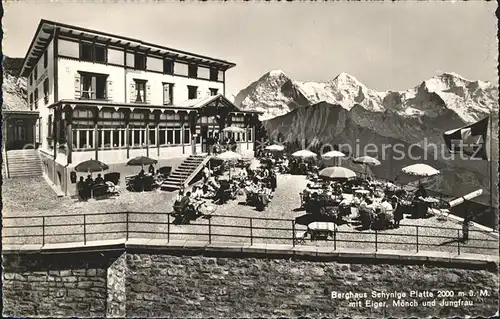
point(33, 197)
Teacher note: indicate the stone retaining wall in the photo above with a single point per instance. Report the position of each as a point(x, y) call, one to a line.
point(193, 286)
point(145, 283)
point(55, 285)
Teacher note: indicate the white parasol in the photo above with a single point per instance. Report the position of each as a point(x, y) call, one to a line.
point(422, 170)
point(275, 148)
point(304, 154)
point(234, 129)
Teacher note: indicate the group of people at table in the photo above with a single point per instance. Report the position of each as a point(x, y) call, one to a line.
point(377, 205)
point(89, 187)
point(257, 184)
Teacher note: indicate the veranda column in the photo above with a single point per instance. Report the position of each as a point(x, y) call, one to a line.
point(147, 132)
point(127, 129)
point(157, 132)
point(96, 148)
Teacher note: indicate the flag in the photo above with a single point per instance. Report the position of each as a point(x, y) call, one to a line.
point(470, 140)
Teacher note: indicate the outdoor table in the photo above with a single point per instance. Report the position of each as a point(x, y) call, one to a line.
point(321, 230)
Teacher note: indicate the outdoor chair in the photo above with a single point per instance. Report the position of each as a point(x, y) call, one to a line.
point(112, 177)
point(165, 171)
point(300, 237)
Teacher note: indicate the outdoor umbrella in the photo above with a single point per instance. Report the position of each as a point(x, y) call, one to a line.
point(366, 161)
point(234, 129)
point(228, 156)
point(333, 154)
point(337, 173)
point(275, 148)
point(91, 166)
point(141, 161)
point(304, 154)
point(420, 170)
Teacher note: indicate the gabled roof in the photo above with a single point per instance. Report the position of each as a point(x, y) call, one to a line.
point(46, 28)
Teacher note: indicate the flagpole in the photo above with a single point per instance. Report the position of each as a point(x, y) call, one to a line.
point(492, 207)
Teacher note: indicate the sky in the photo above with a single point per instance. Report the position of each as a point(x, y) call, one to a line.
point(387, 46)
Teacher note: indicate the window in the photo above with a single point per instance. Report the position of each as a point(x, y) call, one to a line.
point(36, 99)
point(213, 74)
point(213, 91)
point(36, 72)
point(31, 78)
point(168, 93)
point(193, 71)
point(192, 92)
point(140, 89)
point(140, 61)
point(100, 53)
point(45, 60)
point(111, 130)
point(31, 101)
point(93, 86)
point(46, 91)
point(86, 52)
point(92, 52)
point(168, 66)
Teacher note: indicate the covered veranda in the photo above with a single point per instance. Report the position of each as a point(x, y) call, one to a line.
point(83, 129)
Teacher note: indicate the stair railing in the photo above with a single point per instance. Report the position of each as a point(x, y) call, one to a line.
point(5, 161)
point(196, 171)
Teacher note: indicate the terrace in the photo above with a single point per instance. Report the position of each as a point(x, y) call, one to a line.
point(34, 215)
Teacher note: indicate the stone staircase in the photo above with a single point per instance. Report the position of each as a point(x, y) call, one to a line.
point(185, 173)
point(23, 163)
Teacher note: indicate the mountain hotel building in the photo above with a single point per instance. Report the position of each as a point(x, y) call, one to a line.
point(112, 98)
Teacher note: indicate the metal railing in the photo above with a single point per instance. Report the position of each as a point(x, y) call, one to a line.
point(247, 230)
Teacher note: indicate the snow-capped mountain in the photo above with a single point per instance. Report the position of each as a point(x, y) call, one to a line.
point(275, 93)
point(345, 111)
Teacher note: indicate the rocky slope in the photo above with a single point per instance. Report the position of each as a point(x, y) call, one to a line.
point(13, 86)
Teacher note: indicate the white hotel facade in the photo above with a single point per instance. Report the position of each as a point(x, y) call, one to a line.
point(112, 98)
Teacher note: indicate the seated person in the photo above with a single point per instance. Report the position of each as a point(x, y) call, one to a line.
point(185, 203)
point(99, 180)
point(197, 193)
point(151, 169)
point(386, 207)
point(421, 192)
point(179, 197)
point(313, 205)
point(141, 173)
point(89, 181)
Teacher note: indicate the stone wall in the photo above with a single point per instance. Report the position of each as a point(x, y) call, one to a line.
point(116, 301)
point(194, 286)
point(55, 285)
point(143, 283)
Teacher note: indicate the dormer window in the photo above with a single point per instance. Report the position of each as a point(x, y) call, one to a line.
point(140, 61)
point(193, 71)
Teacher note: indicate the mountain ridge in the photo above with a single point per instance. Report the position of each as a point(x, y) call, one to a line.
point(276, 93)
